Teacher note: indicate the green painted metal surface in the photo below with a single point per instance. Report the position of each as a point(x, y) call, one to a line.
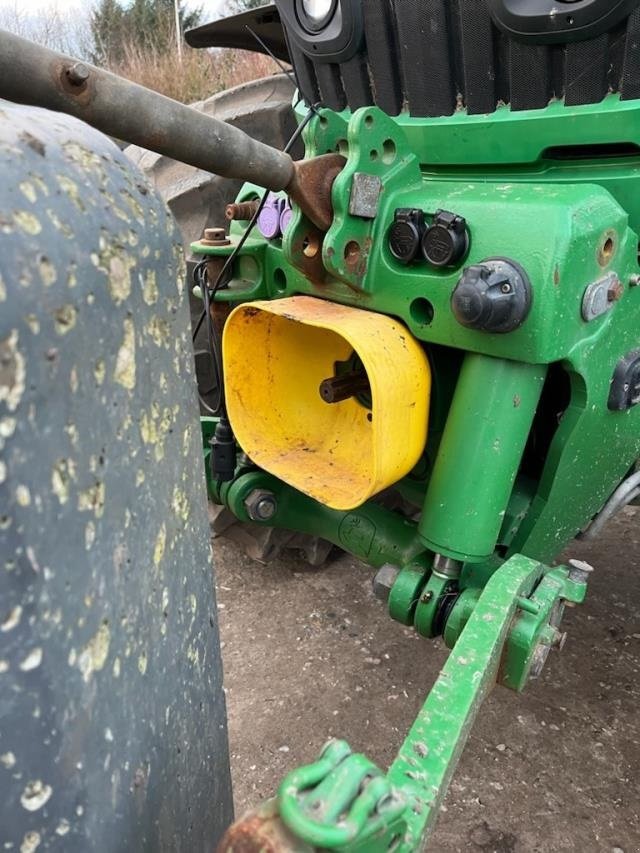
point(343, 802)
point(372, 533)
point(484, 439)
point(552, 216)
point(522, 448)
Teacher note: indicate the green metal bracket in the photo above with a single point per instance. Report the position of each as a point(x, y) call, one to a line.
point(428, 757)
point(371, 532)
point(407, 589)
point(343, 802)
point(432, 598)
point(339, 799)
point(536, 629)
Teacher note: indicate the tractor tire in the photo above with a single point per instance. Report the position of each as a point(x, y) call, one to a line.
point(197, 199)
point(113, 733)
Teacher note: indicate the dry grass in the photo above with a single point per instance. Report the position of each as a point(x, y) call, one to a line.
point(201, 73)
point(198, 75)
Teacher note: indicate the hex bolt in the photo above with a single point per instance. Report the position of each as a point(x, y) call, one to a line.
point(579, 571)
point(384, 579)
point(634, 281)
point(266, 508)
point(261, 505)
point(78, 74)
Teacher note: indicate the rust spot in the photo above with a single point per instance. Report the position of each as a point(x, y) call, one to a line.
point(242, 210)
point(311, 186)
point(352, 253)
point(307, 253)
point(260, 831)
point(356, 257)
point(607, 248)
point(82, 93)
point(214, 267)
point(615, 292)
point(556, 277)
point(219, 313)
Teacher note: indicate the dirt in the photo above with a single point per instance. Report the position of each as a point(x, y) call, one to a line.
point(311, 654)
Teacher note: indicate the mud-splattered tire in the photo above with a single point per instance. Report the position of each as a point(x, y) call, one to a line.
point(197, 199)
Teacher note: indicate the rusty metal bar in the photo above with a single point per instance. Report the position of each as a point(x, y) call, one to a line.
point(32, 74)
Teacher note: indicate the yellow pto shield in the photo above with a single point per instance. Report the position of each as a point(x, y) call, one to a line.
point(276, 355)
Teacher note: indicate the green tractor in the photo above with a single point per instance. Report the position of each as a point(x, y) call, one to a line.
point(416, 343)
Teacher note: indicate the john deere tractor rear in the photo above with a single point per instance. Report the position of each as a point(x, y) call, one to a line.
point(436, 310)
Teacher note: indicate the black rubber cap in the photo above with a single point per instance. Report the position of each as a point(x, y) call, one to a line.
point(494, 296)
point(405, 234)
point(446, 242)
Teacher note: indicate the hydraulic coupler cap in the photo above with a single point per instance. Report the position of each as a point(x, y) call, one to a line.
point(269, 217)
point(405, 234)
point(494, 296)
point(446, 242)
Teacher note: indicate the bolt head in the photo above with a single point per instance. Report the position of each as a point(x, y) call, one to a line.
point(78, 73)
point(266, 508)
point(261, 505)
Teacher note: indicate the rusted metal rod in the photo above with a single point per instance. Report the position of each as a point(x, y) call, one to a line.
point(241, 210)
point(32, 74)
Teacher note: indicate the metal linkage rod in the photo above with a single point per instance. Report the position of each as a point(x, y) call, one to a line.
point(32, 74)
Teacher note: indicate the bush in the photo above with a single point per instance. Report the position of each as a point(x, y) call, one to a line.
point(194, 77)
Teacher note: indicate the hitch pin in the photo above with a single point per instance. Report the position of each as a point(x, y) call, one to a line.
point(528, 606)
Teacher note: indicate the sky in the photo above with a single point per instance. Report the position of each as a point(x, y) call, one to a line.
point(210, 8)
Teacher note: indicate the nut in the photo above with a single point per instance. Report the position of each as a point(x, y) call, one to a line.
point(383, 581)
point(215, 237)
point(261, 505)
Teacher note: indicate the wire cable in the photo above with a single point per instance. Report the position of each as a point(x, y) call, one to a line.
point(209, 290)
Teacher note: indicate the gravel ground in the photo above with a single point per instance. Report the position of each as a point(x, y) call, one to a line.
point(311, 654)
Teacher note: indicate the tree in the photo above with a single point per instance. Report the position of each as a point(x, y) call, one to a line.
point(107, 31)
point(235, 7)
point(142, 25)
